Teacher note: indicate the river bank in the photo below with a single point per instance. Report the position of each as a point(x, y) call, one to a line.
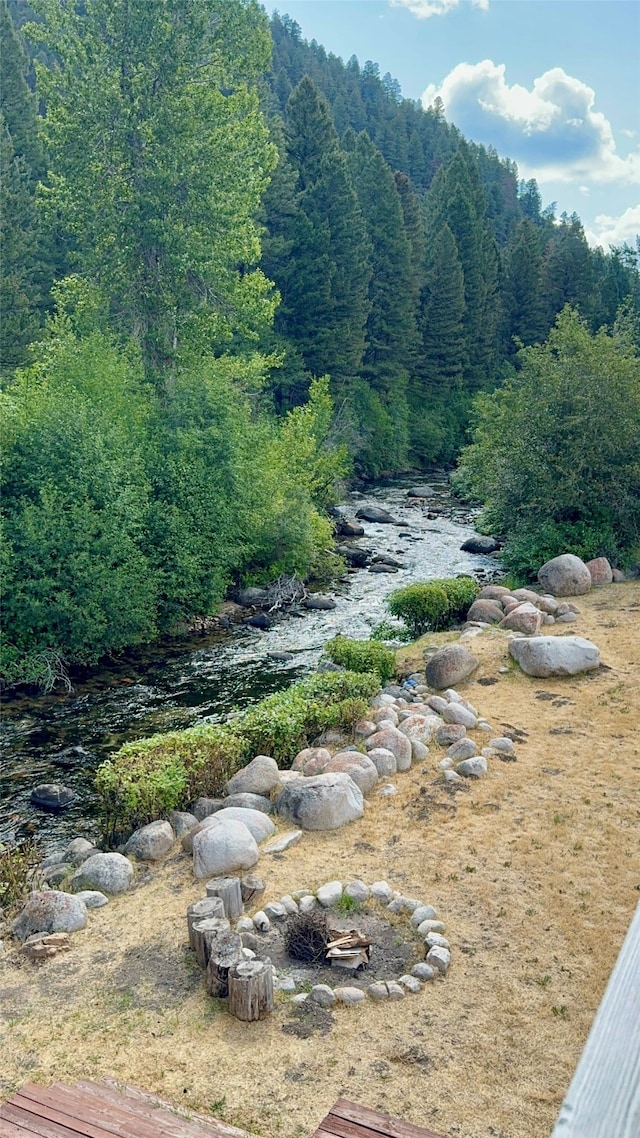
point(534, 869)
point(177, 685)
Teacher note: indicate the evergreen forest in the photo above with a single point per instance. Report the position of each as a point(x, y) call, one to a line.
point(235, 271)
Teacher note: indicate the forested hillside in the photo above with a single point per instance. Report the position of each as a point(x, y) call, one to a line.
point(232, 269)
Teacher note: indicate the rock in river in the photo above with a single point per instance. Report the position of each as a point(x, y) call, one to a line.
point(375, 514)
point(52, 796)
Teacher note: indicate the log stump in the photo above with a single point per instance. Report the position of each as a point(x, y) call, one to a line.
point(251, 887)
point(224, 953)
point(251, 990)
point(229, 891)
point(205, 934)
point(205, 909)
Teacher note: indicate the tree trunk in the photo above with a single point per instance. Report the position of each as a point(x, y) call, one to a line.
point(202, 910)
point(227, 888)
point(206, 934)
point(251, 990)
point(224, 953)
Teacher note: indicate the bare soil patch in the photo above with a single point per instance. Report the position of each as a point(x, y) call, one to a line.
point(535, 870)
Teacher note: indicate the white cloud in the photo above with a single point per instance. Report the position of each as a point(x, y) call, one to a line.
point(616, 230)
point(552, 130)
point(423, 9)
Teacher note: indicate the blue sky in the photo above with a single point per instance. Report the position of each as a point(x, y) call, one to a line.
point(552, 84)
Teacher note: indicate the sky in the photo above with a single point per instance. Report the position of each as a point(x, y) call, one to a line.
point(552, 84)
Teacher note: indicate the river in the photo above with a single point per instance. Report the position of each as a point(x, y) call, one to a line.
point(184, 683)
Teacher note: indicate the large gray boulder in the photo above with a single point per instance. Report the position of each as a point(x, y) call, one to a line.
point(108, 872)
point(257, 822)
point(223, 848)
point(555, 655)
point(394, 740)
point(565, 576)
point(151, 842)
point(377, 515)
point(449, 665)
point(50, 912)
point(258, 777)
point(322, 802)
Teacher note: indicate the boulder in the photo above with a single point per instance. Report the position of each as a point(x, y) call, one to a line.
point(323, 802)
point(460, 715)
point(420, 727)
point(312, 760)
point(480, 544)
point(223, 848)
point(92, 898)
point(258, 777)
point(50, 912)
point(347, 528)
point(384, 761)
point(257, 822)
point(181, 822)
point(107, 872)
point(475, 767)
point(600, 571)
point(449, 665)
point(420, 492)
point(249, 801)
point(487, 610)
point(450, 733)
point(52, 796)
point(252, 597)
point(376, 515)
point(555, 655)
point(79, 850)
point(391, 739)
point(260, 620)
point(565, 576)
point(203, 807)
point(151, 842)
point(526, 618)
point(354, 555)
point(319, 601)
point(493, 593)
point(360, 768)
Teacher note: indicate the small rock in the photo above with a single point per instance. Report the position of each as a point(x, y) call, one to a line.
point(451, 776)
point(503, 745)
point(288, 904)
point(382, 892)
point(391, 739)
point(388, 790)
point(244, 800)
point(480, 544)
point(203, 807)
point(279, 845)
point(378, 990)
point(79, 850)
point(358, 891)
point(472, 768)
point(439, 959)
point(318, 601)
point(430, 926)
point(181, 822)
point(395, 990)
point(245, 925)
point(449, 665)
point(526, 619)
point(450, 733)
point(52, 796)
point(322, 995)
point(307, 904)
point(567, 618)
point(384, 761)
point(422, 913)
point(285, 984)
point(349, 996)
point(329, 894)
point(55, 874)
point(436, 940)
point(275, 911)
point(463, 749)
point(410, 983)
point(261, 921)
point(301, 998)
point(423, 971)
point(92, 898)
point(458, 713)
point(445, 764)
point(419, 751)
point(487, 611)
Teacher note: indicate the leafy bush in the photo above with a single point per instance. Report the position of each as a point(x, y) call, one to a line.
point(282, 724)
point(362, 656)
point(555, 456)
point(149, 777)
point(433, 605)
point(17, 863)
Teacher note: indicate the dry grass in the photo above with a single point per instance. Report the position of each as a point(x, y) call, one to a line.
point(535, 871)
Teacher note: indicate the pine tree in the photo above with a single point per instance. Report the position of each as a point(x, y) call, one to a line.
point(524, 310)
point(567, 271)
point(19, 294)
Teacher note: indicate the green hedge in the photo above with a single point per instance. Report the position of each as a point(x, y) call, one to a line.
point(362, 656)
point(147, 778)
point(434, 605)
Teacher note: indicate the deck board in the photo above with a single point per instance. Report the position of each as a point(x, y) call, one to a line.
point(350, 1120)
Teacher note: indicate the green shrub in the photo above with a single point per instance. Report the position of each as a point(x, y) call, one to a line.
point(17, 863)
point(149, 777)
point(284, 723)
point(362, 656)
point(433, 605)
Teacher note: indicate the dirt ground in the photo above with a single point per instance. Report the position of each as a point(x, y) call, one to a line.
point(535, 870)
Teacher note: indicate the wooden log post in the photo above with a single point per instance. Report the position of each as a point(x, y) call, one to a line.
point(228, 889)
point(203, 910)
point(251, 990)
point(206, 933)
point(224, 953)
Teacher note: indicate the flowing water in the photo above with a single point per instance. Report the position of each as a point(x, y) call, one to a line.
point(178, 685)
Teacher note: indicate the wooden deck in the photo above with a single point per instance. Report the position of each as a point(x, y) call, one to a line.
point(101, 1110)
point(348, 1120)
